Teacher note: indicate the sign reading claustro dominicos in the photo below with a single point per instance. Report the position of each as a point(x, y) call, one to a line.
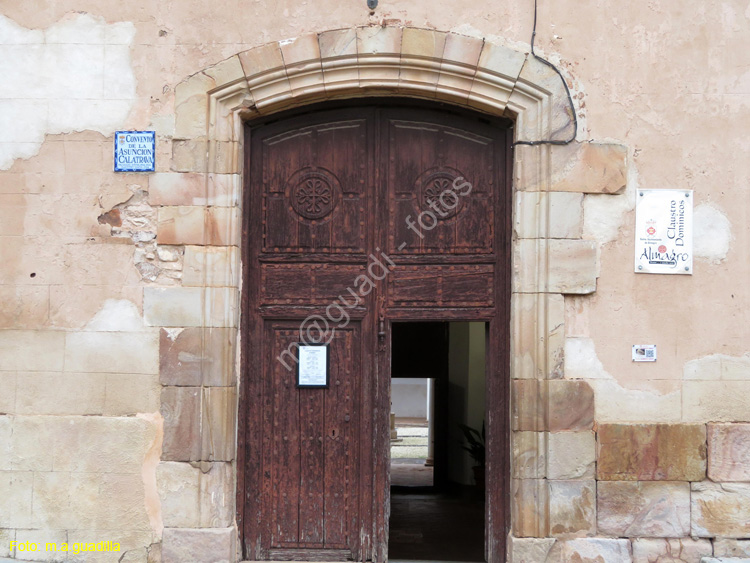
point(664, 232)
point(135, 151)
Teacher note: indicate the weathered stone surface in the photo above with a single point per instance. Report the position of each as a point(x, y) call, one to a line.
point(198, 225)
point(529, 457)
point(548, 215)
point(528, 507)
point(729, 452)
point(195, 356)
point(670, 550)
point(646, 509)
point(716, 401)
point(720, 510)
point(577, 167)
point(731, 548)
point(572, 455)
point(16, 489)
point(219, 423)
point(725, 560)
point(60, 393)
point(572, 508)
point(596, 550)
point(206, 545)
point(527, 404)
point(196, 497)
point(571, 266)
point(181, 409)
point(112, 352)
point(190, 189)
point(537, 316)
point(31, 350)
point(190, 306)
point(211, 266)
point(128, 394)
point(534, 550)
point(571, 405)
point(654, 452)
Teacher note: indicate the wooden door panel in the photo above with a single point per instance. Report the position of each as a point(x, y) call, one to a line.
point(442, 286)
point(426, 161)
point(307, 284)
point(310, 460)
point(314, 183)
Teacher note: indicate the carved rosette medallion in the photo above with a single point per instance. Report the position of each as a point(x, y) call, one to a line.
point(313, 193)
point(438, 193)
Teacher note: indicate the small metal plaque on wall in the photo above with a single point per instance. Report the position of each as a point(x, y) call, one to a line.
point(135, 151)
point(312, 369)
point(664, 232)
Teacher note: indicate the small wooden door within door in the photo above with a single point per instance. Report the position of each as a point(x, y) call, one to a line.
point(328, 193)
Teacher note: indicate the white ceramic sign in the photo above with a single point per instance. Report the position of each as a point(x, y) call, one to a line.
point(664, 232)
point(135, 151)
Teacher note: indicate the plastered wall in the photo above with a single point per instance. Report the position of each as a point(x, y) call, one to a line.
point(109, 283)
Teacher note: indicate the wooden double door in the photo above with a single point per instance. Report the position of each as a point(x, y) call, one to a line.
point(357, 217)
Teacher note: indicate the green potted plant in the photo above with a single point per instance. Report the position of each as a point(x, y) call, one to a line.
point(475, 445)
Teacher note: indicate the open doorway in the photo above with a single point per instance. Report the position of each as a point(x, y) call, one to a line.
point(437, 441)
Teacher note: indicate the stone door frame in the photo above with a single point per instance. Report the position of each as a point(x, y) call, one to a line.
point(212, 105)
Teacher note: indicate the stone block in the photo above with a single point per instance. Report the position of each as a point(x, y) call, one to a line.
point(16, 489)
point(72, 308)
point(644, 509)
point(66, 500)
point(595, 168)
point(195, 356)
point(729, 452)
point(572, 508)
point(39, 537)
point(499, 59)
point(572, 455)
point(194, 497)
point(211, 266)
point(597, 550)
point(8, 383)
point(338, 43)
point(377, 40)
point(6, 537)
point(98, 444)
point(112, 352)
point(128, 394)
point(198, 225)
point(556, 266)
point(189, 155)
point(190, 306)
point(173, 306)
point(181, 409)
point(261, 59)
point(219, 423)
point(217, 545)
point(725, 560)
point(31, 350)
point(724, 547)
point(422, 43)
point(716, 401)
point(24, 307)
point(534, 550)
point(537, 317)
point(60, 393)
point(125, 508)
point(193, 189)
point(527, 404)
point(684, 550)
point(528, 507)
point(720, 510)
point(557, 215)
point(652, 452)
point(529, 456)
point(571, 406)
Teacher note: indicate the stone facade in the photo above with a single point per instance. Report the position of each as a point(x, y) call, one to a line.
point(120, 293)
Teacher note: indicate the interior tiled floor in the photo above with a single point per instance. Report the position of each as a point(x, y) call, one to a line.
point(437, 527)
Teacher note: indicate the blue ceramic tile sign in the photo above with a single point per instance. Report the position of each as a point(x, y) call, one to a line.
point(135, 151)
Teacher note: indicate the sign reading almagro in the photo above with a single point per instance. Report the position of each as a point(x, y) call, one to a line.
point(135, 151)
point(664, 232)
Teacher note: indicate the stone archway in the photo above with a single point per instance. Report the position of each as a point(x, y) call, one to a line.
point(550, 257)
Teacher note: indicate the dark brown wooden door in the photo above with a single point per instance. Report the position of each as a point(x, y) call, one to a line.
point(421, 192)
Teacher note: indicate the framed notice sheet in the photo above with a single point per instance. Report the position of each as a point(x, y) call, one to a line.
point(312, 369)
